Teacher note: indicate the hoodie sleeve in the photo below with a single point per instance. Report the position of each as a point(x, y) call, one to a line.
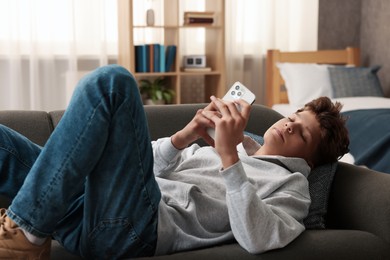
point(261, 224)
point(167, 157)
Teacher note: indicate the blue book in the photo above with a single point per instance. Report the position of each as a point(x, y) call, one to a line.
point(162, 58)
point(170, 57)
point(140, 58)
point(156, 58)
point(150, 57)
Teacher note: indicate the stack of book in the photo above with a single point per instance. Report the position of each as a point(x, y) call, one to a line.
point(154, 57)
point(198, 18)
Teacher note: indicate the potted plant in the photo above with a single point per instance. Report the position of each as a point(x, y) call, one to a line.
point(156, 91)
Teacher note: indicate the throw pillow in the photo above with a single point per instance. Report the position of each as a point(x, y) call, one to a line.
point(355, 81)
point(305, 81)
point(320, 182)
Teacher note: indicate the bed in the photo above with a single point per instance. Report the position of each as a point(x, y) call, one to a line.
point(294, 78)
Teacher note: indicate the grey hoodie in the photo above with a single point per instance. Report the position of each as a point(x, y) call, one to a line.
point(259, 201)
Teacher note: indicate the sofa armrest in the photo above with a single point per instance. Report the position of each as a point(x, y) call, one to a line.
point(360, 200)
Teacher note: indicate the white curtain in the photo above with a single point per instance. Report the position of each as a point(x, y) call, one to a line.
point(46, 45)
point(254, 26)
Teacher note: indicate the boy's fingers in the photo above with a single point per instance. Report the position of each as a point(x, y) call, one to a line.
point(245, 107)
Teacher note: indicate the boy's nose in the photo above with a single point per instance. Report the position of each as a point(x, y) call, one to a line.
point(289, 128)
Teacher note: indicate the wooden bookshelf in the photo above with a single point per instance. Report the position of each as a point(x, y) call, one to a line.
point(169, 29)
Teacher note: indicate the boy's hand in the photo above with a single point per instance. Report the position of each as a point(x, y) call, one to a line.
point(229, 127)
point(195, 129)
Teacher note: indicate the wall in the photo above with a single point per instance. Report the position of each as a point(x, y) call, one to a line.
point(375, 38)
point(362, 23)
point(339, 23)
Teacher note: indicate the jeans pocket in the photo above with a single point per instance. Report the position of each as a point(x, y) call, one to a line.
point(117, 238)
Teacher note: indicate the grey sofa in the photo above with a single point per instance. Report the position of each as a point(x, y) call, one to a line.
point(358, 219)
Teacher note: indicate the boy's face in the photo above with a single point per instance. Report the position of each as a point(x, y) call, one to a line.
point(295, 136)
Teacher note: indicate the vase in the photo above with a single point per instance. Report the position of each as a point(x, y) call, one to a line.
point(149, 17)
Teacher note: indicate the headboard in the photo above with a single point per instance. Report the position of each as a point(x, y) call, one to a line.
point(275, 90)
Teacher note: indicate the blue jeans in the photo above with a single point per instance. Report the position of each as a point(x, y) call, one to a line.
point(92, 185)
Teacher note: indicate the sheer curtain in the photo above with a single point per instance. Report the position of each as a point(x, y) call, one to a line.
point(45, 46)
point(254, 26)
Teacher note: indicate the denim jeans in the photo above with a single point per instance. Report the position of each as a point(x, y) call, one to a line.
point(92, 185)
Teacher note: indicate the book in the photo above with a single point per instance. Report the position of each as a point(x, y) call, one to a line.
point(199, 14)
point(202, 69)
point(151, 57)
point(140, 58)
point(162, 58)
point(170, 57)
point(196, 20)
point(156, 57)
point(147, 58)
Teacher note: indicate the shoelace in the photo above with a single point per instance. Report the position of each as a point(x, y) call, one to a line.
point(3, 231)
point(3, 215)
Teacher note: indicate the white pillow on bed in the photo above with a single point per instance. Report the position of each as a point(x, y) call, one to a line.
point(305, 81)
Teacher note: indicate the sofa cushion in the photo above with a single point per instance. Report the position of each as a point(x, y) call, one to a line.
point(360, 199)
point(312, 244)
point(58, 252)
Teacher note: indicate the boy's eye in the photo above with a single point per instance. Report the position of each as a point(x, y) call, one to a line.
point(289, 119)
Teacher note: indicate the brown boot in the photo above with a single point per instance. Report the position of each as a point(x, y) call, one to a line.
point(14, 244)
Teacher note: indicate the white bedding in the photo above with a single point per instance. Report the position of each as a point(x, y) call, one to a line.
point(349, 104)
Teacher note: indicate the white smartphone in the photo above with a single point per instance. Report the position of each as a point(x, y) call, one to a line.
point(236, 91)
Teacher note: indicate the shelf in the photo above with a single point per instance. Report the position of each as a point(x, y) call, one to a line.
point(169, 29)
point(155, 74)
point(155, 27)
point(185, 73)
point(200, 26)
point(187, 26)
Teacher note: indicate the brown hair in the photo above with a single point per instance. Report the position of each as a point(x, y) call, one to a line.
point(334, 134)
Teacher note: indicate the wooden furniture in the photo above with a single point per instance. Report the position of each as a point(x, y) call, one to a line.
point(169, 29)
point(275, 90)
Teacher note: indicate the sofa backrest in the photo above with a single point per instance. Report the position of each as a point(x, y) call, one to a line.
point(165, 120)
point(35, 125)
